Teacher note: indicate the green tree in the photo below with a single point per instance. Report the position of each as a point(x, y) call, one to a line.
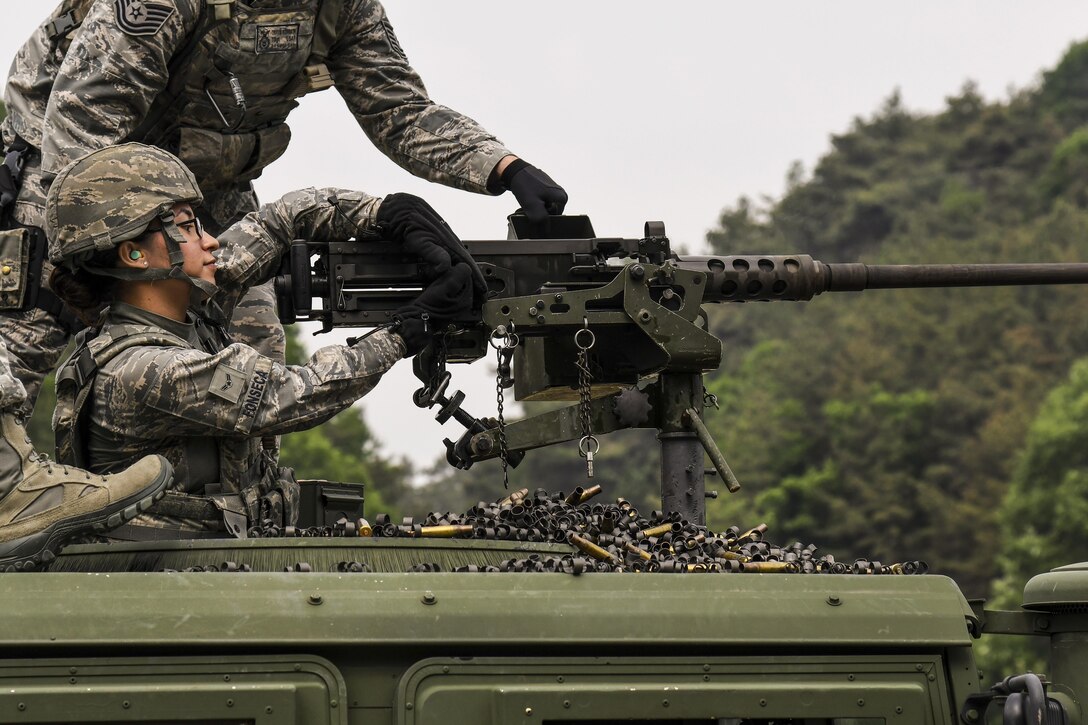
point(344, 449)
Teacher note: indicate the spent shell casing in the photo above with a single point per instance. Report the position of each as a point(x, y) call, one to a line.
point(644, 555)
point(574, 496)
point(655, 530)
point(588, 547)
point(515, 497)
point(589, 493)
point(363, 528)
point(770, 567)
point(754, 534)
point(445, 532)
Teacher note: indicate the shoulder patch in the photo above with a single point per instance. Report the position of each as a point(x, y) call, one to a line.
point(391, 38)
point(227, 383)
point(142, 17)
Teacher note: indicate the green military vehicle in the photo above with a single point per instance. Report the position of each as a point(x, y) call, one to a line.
point(506, 614)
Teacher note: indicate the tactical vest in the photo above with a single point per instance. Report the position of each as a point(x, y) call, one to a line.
point(75, 383)
point(269, 493)
point(233, 84)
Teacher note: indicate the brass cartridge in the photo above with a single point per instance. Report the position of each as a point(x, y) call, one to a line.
point(445, 532)
point(591, 549)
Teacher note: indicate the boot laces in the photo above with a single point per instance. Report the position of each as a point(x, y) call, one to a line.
point(46, 461)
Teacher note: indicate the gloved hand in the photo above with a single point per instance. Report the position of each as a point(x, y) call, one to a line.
point(420, 230)
point(535, 191)
point(445, 299)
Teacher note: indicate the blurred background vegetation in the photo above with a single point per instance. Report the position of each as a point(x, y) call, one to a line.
point(950, 426)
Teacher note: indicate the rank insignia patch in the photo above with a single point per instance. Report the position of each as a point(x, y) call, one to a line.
point(228, 383)
point(391, 38)
point(142, 17)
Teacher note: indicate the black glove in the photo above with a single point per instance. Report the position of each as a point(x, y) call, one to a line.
point(535, 191)
point(420, 230)
point(445, 299)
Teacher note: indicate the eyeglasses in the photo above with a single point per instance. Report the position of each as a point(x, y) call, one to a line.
point(193, 226)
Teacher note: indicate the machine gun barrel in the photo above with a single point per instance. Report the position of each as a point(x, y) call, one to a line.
point(796, 277)
point(845, 277)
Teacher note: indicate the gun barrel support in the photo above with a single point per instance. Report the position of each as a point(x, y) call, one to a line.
point(683, 488)
point(712, 450)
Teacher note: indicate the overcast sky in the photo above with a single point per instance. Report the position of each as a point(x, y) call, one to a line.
point(649, 110)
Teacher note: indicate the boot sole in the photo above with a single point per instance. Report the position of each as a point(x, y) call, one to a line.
point(37, 550)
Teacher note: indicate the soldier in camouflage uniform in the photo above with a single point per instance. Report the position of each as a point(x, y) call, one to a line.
point(152, 379)
point(214, 82)
point(44, 505)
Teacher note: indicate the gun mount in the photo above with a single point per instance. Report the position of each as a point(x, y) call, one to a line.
point(648, 342)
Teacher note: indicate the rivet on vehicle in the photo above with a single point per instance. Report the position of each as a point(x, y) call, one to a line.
point(72, 680)
point(528, 711)
point(932, 677)
point(126, 704)
point(706, 668)
point(445, 669)
point(861, 703)
point(899, 711)
point(834, 600)
point(918, 668)
point(298, 667)
point(566, 704)
point(1042, 623)
point(334, 704)
point(22, 706)
point(268, 710)
point(226, 678)
point(230, 703)
point(72, 670)
point(559, 678)
point(850, 677)
point(763, 703)
point(315, 599)
point(428, 598)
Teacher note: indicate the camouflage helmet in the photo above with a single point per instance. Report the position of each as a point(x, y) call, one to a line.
point(110, 196)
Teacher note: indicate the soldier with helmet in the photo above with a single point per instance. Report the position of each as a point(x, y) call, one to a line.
point(159, 375)
point(213, 81)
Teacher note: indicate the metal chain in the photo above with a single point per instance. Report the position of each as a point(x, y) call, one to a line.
point(584, 339)
point(504, 341)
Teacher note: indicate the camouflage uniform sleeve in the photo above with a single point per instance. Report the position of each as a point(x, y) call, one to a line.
point(388, 99)
point(250, 250)
point(108, 80)
point(238, 392)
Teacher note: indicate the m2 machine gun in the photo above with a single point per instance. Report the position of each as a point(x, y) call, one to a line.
point(615, 324)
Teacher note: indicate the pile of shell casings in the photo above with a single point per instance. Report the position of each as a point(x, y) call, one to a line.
point(615, 538)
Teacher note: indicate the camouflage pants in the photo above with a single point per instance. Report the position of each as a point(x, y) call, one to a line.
point(12, 393)
point(35, 339)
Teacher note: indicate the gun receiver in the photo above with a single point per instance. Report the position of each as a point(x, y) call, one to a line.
point(643, 304)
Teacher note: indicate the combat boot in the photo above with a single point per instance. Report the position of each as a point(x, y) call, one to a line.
point(44, 504)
